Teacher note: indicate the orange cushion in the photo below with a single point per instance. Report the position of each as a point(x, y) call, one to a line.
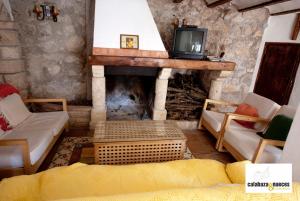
point(248, 110)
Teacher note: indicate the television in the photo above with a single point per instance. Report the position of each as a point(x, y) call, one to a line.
point(189, 43)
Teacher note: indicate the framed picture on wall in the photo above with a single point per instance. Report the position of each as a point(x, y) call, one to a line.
point(129, 41)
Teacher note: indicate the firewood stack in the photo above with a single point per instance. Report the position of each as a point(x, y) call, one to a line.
point(185, 98)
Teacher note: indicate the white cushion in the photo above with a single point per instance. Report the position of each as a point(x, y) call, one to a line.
point(287, 110)
point(215, 119)
point(14, 110)
point(1, 132)
point(38, 140)
point(246, 143)
point(53, 121)
point(39, 129)
point(266, 108)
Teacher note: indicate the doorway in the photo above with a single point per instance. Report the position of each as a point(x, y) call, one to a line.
point(277, 71)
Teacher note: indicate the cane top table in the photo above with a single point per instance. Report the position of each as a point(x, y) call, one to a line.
point(123, 142)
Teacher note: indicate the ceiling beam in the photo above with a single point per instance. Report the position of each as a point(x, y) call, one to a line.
point(286, 12)
point(267, 3)
point(296, 29)
point(217, 3)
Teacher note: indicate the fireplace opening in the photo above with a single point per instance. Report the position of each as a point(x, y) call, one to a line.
point(129, 94)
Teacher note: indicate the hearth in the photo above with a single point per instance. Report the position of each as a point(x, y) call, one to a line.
point(129, 97)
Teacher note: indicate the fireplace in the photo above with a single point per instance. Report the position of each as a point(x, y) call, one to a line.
point(120, 75)
point(130, 93)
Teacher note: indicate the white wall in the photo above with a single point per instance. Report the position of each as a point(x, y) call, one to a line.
point(279, 29)
point(115, 17)
point(291, 148)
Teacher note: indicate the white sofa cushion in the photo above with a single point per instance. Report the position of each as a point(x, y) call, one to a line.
point(38, 140)
point(1, 132)
point(39, 129)
point(215, 119)
point(14, 110)
point(53, 121)
point(246, 143)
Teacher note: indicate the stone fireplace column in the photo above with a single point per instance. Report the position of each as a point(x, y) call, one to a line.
point(215, 91)
point(98, 112)
point(161, 89)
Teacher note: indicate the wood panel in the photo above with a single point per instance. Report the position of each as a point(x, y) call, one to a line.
point(161, 63)
point(129, 53)
point(277, 71)
point(267, 3)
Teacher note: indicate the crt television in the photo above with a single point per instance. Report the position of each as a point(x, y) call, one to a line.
point(189, 43)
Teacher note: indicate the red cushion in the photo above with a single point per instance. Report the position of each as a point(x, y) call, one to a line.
point(7, 89)
point(248, 110)
point(3, 124)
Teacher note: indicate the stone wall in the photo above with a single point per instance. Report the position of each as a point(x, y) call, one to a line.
point(55, 51)
point(237, 34)
point(12, 65)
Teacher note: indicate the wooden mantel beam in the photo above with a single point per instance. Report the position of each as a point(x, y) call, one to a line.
point(267, 3)
point(160, 63)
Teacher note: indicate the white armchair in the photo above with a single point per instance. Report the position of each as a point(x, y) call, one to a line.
point(248, 145)
point(217, 122)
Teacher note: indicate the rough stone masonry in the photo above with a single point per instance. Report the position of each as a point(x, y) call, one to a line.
point(55, 53)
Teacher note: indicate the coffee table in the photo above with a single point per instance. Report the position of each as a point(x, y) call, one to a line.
point(125, 142)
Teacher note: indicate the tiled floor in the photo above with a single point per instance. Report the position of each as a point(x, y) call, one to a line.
point(200, 143)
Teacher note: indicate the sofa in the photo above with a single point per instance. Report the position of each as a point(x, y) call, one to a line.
point(32, 135)
point(185, 180)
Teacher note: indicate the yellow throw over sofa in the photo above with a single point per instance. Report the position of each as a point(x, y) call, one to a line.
point(186, 180)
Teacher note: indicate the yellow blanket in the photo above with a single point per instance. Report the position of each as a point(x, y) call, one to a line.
point(177, 180)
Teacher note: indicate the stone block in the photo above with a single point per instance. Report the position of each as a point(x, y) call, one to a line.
point(96, 116)
point(98, 70)
point(11, 66)
point(10, 52)
point(19, 80)
point(165, 73)
point(159, 114)
point(7, 25)
point(9, 37)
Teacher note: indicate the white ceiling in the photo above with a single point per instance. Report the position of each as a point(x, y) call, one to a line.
point(281, 7)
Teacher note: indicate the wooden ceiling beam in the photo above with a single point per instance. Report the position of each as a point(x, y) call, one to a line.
point(296, 28)
point(267, 3)
point(286, 12)
point(217, 3)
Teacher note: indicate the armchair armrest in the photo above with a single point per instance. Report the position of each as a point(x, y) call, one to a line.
point(23, 143)
point(261, 146)
point(51, 100)
point(226, 122)
point(217, 102)
point(231, 116)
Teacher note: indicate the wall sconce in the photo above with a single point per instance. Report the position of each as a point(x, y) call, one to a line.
point(46, 11)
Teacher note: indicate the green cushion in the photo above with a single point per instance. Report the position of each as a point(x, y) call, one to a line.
point(279, 128)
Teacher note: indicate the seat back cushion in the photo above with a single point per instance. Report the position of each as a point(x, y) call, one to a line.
point(279, 128)
point(246, 109)
point(266, 108)
point(14, 110)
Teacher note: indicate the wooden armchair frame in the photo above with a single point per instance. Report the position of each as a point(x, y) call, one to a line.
point(28, 168)
point(260, 148)
point(205, 124)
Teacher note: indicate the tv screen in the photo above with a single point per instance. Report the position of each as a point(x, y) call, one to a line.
point(189, 42)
